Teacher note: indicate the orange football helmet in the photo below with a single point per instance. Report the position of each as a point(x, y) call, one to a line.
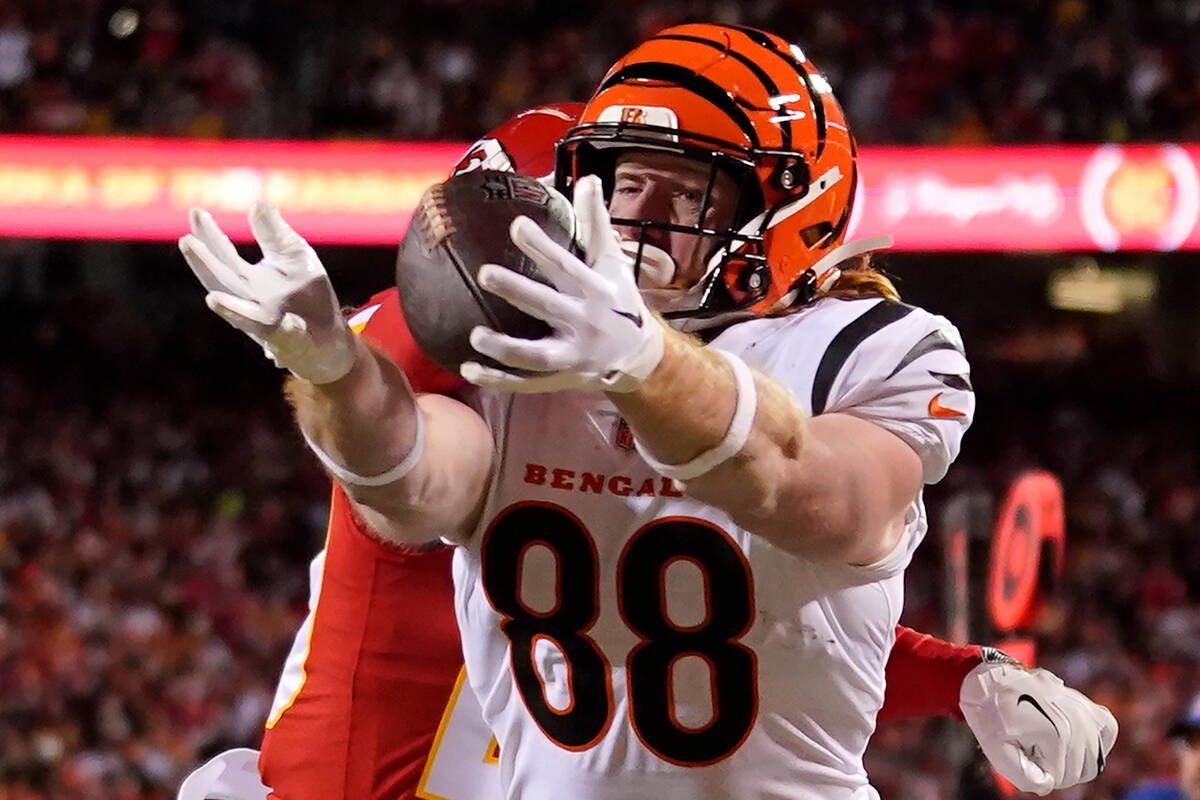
point(753, 105)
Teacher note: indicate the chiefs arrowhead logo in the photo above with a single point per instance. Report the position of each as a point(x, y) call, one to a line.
point(484, 154)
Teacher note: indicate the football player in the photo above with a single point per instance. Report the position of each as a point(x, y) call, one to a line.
point(370, 703)
point(846, 456)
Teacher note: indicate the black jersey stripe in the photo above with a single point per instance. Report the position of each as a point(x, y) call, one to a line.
point(934, 340)
point(960, 382)
point(785, 130)
point(875, 319)
point(690, 80)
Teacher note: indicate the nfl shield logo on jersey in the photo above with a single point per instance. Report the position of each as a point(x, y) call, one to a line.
point(622, 436)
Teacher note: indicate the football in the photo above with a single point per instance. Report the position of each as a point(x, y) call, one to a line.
point(458, 226)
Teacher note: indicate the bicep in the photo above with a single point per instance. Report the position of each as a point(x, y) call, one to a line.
point(851, 483)
point(443, 495)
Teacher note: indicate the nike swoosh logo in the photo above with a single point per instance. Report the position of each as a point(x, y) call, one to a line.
point(936, 409)
point(636, 319)
point(1025, 698)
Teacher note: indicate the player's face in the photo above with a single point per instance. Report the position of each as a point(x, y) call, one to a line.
point(665, 187)
point(1189, 765)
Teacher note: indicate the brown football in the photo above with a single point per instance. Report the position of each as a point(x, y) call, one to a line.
point(459, 225)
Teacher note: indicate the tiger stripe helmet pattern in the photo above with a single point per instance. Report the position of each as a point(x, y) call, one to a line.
point(753, 105)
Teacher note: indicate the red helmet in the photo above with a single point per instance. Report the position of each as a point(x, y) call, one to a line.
point(523, 144)
point(750, 104)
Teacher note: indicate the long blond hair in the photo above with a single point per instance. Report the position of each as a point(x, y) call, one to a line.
point(860, 280)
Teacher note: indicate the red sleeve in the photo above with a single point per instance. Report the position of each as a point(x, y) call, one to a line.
point(924, 675)
point(381, 322)
point(374, 665)
point(368, 679)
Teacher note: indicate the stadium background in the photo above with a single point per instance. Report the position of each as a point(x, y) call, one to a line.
point(157, 510)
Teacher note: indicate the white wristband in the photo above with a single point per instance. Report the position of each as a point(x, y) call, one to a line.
point(735, 436)
point(397, 472)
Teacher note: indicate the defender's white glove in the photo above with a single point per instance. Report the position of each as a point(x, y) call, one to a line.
point(284, 302)
point(232, 775)
point(604, 338)
point(1036, 732)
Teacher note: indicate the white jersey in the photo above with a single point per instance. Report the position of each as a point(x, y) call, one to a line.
point(627, 641)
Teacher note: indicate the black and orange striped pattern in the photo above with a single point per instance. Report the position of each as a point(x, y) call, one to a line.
point(742, 98)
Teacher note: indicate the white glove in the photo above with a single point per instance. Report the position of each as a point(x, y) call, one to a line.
point(284, 302)
point(604, 338)
point(232, 775)
point(1036, 732)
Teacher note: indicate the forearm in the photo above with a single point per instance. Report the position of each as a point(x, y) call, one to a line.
point(832, 487)
point(685, 408)
point(366, 421)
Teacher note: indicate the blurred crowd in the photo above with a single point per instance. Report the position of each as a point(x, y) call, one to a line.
point(157, 509)
point(154, 537)
point(1123, 623)
point(933, 71)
